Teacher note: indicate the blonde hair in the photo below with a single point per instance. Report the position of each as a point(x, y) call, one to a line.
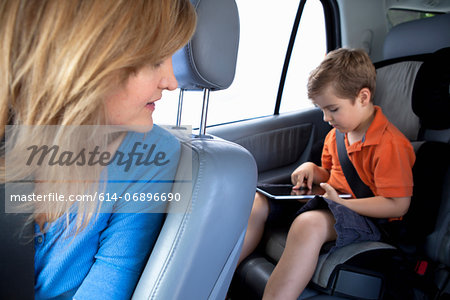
point(346, 70)
point(59, 59)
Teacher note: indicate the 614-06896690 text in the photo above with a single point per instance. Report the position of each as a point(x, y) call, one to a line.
point(136, 197)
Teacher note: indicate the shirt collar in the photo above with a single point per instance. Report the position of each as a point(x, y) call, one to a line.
point(373, 134)
point(376, 128)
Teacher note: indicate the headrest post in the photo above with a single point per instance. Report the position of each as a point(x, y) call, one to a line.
point(180, 107)
point(204, 112)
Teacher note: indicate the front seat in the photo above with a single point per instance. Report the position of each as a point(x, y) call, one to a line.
point(200, 241)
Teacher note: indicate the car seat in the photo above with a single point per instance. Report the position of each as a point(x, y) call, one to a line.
point(197, 250)
point(417, 236)
point(413, 93)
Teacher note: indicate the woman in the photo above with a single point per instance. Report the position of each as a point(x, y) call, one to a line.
point(65, 68)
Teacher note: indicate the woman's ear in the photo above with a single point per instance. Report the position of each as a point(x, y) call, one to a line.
point(364, 96)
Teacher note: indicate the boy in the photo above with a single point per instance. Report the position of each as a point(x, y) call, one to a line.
point(342, 86)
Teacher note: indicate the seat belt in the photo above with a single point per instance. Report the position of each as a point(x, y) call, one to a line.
point(359, 188)
point(16, 254)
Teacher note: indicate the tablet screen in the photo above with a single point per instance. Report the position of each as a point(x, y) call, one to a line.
point(285, 191)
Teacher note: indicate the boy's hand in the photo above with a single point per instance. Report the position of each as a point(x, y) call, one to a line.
point(330, 192)
point(303, 176)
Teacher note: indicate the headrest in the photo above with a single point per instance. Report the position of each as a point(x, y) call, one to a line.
point(431, 92)
point(209, 59)
point(393, 92)
point(418, 37)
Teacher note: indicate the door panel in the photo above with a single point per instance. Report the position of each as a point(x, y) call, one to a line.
point(279, 143)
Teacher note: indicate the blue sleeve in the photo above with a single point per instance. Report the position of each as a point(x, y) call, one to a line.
point(123, 251)
point(126, 242)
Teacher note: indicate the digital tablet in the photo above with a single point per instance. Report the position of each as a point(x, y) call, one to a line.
point(285, 192)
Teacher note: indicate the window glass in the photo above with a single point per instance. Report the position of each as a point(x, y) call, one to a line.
point(309, 50)
point(397, 16)
point(264, 37)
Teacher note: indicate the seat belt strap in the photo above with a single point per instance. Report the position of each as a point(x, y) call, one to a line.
point(359, 188)
point(16, 250)
point(16, 254)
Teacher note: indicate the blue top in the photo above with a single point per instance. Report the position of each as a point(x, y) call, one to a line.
point(105, 260)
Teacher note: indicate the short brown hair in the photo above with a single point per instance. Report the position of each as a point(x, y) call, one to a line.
point(347, 71)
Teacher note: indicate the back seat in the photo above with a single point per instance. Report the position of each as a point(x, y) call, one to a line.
point(413, 92)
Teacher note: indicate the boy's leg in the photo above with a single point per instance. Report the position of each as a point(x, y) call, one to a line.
point(309, 231)
point(256, 223)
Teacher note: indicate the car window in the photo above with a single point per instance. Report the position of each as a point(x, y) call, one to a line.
point(264, 37)
point(309, 50)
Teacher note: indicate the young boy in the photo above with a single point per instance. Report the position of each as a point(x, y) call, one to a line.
point(342, 86)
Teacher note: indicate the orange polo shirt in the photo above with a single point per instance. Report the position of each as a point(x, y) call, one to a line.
point(383, 159)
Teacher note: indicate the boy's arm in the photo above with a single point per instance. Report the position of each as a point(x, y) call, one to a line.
point(375, 207)
point(307, 174)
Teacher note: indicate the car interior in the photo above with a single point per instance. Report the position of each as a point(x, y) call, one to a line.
point(196, 254)
point(412, 89)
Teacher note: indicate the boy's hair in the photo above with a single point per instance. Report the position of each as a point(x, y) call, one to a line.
point(347, 71)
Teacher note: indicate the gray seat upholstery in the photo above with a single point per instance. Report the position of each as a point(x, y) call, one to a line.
point(198, 247)
point(417, 37)
point(199, 244)
point(209, 60)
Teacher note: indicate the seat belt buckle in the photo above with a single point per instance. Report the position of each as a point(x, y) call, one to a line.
point(421, 267)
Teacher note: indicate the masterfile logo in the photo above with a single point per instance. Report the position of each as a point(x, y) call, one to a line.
point(108, 165)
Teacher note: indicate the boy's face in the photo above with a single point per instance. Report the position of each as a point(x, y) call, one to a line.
point(341, 113)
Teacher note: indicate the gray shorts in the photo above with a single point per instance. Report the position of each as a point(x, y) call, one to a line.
point(350, 226)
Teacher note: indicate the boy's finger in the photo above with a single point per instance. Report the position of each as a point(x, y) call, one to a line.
point(297, 181)
point(310, 182)
point(297, 186)
point(326, 187)
point(330, 192)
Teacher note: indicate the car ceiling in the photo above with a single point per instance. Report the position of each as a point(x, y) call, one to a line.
point(442, 6)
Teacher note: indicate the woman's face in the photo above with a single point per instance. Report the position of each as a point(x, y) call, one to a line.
point(133, 103)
